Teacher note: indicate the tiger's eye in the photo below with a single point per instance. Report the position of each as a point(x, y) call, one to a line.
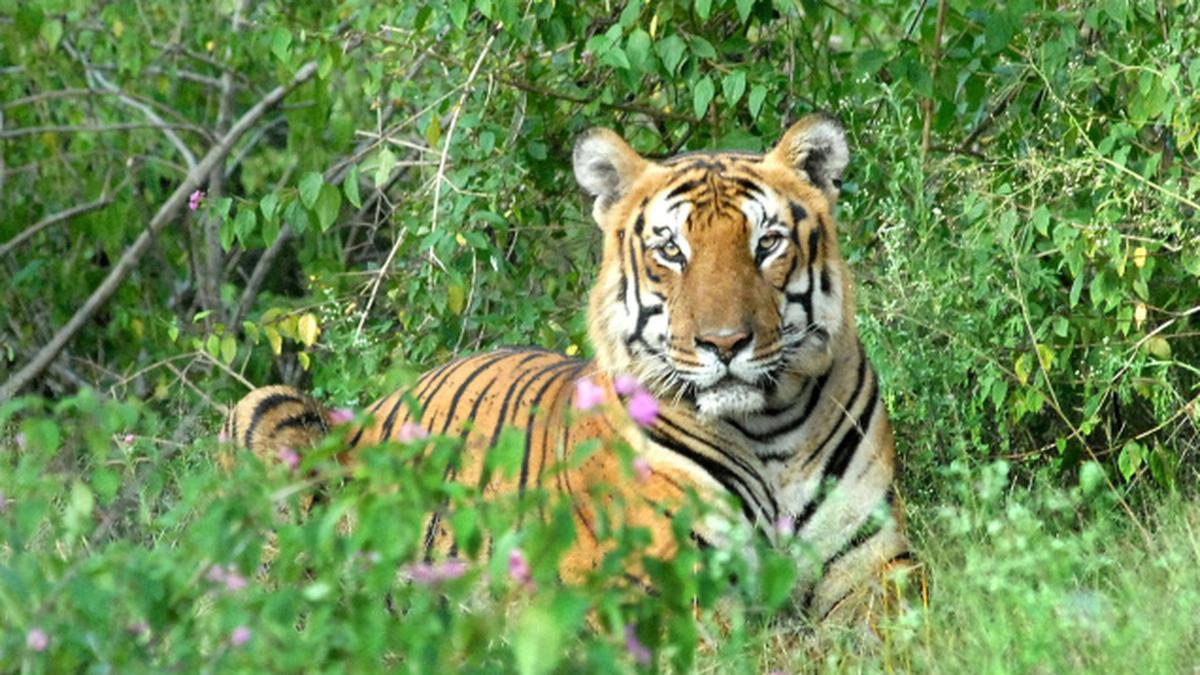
point(768, 242)
point(670, 249)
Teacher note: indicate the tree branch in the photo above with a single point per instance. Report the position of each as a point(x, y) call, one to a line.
point(104, 200)
point(165, 214)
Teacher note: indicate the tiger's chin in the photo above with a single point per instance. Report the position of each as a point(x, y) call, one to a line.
point(729, 399)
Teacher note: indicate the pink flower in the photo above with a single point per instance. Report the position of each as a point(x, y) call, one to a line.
point(289, 457)
point(518, 567)
point(786, 526)
point(429, 574)
point(588, 394)
point(139, 628)
point(240, 636)
point(340, 416)
point(37, 640)
point(195, 199)
point(640, 653)
point(3, 502)
point(222, 437)
point(20, 439)
point(215, 574)
point(641, 469)
point(129, 439)
point(411, 431)
point(643, 409)
point(626, 384)
point(233, 581)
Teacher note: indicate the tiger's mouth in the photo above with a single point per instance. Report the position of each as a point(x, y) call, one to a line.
point(730, 397)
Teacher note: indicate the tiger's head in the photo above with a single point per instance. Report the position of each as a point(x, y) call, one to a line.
point(721, 282)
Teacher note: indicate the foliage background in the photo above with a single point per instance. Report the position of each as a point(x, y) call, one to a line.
point(1020, 215)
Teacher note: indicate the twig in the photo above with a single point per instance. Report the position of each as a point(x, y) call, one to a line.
point(259, 275)
point(95, 129)
point(437, 186)
point(105, 199)
point(927, 104)
point(165, 214)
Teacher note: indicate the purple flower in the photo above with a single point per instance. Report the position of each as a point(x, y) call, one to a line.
point(240, 636)
point(429, 574)
point(289, 457)
point(643, 409)
point(215, 574)
point(340, 416)
point(641, 469)
point(518, 567)
point(195, 199)
point(588, 394)
point(411, 431)
point(138, 629)
point(640, 653)
point(626, 384)
point(37, 640)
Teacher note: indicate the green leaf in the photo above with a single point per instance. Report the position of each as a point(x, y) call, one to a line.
point(670, 51)
point(310, 189)
point(243, 225)
point(329, 202)
point(702, 95)
point(637, 48)
point(744, 7)
point(385, 162)
point(269, 205)
point(228, 348)
point(51, 31)
point(350, 187)
point(758, 94)
point(458, 13)
point(703, 9)
point(281, 42)
point(733, 86)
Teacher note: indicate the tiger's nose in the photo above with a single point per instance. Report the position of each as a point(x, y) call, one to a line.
point(725, 343)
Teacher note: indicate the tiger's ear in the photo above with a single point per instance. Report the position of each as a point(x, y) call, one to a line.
point(816, 148)
point(605, 167)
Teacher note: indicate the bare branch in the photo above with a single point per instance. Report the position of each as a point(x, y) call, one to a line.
point(165, 214)
point(437, 184)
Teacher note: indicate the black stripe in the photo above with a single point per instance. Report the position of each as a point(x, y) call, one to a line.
point(849, 405)
point(682, 188)
point(728, 480)
point(362, 429)
point(307, 418)
point(534, 405)
point(265, 406)
point(502, 416)
point(738, 461)
point(789, 425)
point(870, 527)
point(462, 387)
point(798, 213)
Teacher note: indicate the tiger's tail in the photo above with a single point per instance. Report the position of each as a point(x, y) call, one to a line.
point(272, 419)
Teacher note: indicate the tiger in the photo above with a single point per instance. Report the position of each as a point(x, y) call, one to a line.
point(722, 290)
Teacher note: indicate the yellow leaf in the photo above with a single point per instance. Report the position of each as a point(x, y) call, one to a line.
point(1021, 368)
point(1139, 257)
point(308, 330)
point(572, 350)
point(1139, 313)
point(433, 133)
point(138, 328)
point(456, 298)
point(1159, 347)
point(305, 363)
point(228, 349)
point(462, 241)
point(275, 339)
point(1045, 356)
point(653, 25)
point(118, 29)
